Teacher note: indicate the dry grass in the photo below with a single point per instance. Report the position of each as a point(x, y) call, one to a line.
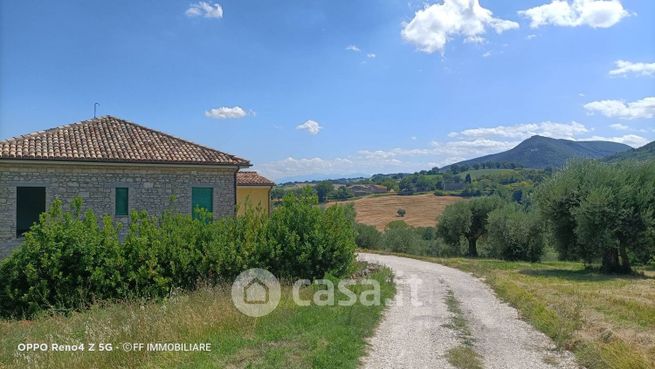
point(422, 210)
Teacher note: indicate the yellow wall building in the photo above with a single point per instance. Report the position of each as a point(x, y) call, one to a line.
point(253, 191)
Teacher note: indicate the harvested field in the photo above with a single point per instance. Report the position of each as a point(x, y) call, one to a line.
point(422, 210)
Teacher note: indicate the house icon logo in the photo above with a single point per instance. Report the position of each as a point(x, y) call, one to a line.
point(256, 292)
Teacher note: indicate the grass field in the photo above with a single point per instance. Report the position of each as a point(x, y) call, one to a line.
point(422, 210)
point(290, 337)
point(607, 321)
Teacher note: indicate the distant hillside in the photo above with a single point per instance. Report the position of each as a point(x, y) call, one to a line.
point(542, 152)
point(646, 152)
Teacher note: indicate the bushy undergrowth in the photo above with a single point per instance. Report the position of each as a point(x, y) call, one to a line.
point(70, 259)
point(398, 236)
point(515, 234)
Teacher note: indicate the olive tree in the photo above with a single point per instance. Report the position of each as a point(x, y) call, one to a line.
point(597, 210)
point(515, 233)
point(466, 219)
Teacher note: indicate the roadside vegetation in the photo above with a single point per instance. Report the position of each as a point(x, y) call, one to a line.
point(291, 336)
point(68, 260)
point(168, 279)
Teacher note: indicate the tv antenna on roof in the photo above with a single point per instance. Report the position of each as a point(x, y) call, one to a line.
point(95, 105)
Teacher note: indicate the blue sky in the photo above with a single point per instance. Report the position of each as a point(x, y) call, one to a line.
point(331, 88)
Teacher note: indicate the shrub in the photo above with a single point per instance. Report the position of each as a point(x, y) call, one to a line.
point(368, 236)
point(401, 212)
point(400, 237)
point(68, 260)
point(515, 234)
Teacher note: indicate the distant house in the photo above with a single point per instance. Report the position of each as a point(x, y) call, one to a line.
point(116, 166)
point(254, 191)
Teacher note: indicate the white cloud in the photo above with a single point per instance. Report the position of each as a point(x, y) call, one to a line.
point(310, 126)
point(523, 131)
point(530, 37)
point(619, 126)
point(624, 67)
point(644, 108)
point(630, 140)
point(205, 9)
point(433, 26)
point(371, 55)
point(353, 48)
point(592, 13)
point(225, 112)
point(487, 54)
point(461, 145)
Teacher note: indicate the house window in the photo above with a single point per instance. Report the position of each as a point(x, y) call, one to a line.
point(122, 195)
point(30, 203)
point(202, 197)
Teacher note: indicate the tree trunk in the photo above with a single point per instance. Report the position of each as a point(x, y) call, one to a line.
point(473, 249)
point(610, 261)
point(625, 261)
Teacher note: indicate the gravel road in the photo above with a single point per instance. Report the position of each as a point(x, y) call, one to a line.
point(413, 336)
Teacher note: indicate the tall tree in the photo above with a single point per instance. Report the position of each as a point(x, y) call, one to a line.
point(323, 189)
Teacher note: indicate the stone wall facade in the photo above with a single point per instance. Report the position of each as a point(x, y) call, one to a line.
point(151, 188)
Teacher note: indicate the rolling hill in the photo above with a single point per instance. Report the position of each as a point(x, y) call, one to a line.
point(646, 152)
point(542, 152)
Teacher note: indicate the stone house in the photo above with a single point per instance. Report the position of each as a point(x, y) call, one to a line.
point(116, 166)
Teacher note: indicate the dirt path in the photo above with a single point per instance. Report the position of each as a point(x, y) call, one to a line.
point(413, 336)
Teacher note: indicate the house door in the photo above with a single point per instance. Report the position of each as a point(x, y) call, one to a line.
point(30, 203)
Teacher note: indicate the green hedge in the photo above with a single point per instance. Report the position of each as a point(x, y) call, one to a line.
point(70, 259)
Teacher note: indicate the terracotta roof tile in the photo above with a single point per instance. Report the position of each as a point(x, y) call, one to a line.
point(110, 139)
point(245, 178)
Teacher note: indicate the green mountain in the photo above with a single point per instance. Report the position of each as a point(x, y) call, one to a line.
point(646, 152)
point(542, 152)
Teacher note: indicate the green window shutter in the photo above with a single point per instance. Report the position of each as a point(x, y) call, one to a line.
point(121, 201)
point(202, 197)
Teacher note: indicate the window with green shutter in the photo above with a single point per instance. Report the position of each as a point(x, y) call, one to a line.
point(121, 201)
point(202, 197)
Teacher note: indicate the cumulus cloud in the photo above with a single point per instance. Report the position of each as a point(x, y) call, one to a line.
point(353, 48)
point(522, 131)
point(311, 126)
point(433, 26)
point(624, 67)
point(225, 112)
point(371, 55)
point(644, 108)
point(619, 126)
point(564, 13)
point(205, 9)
